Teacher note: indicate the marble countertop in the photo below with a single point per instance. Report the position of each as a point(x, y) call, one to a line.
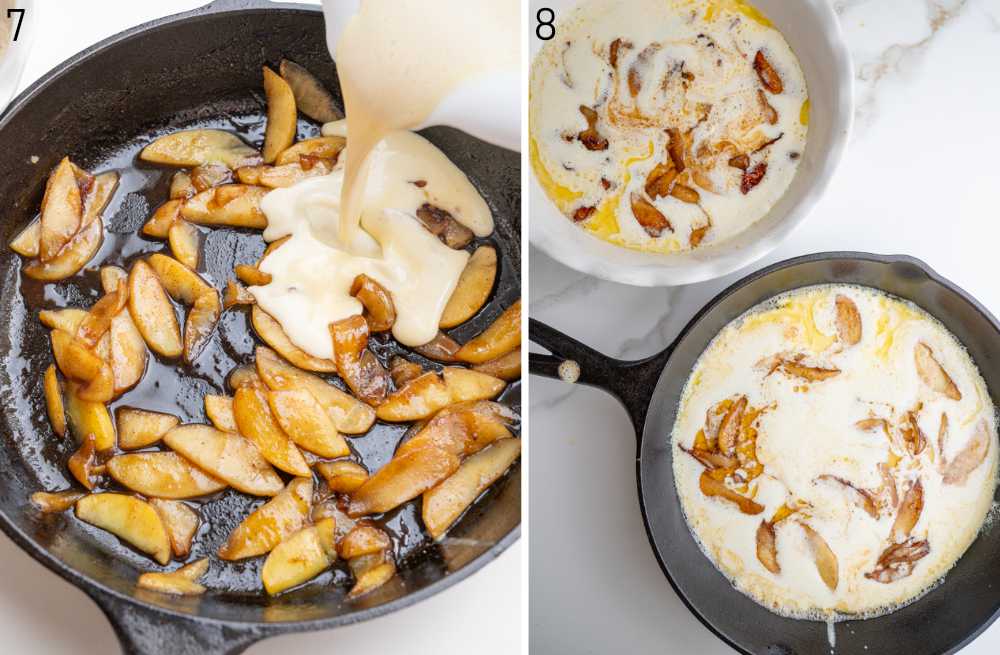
point(43, 615)
point(918, 179)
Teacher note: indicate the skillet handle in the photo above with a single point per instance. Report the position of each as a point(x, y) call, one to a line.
point(145, 631)
point(631, 382)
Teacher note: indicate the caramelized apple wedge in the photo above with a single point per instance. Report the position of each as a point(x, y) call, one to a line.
point(380, 313)
point(326, 148)
point(473, 289)
point(304, 420)
point(191, 148)
point(444, 226)
point(286, 175)
point(182, 582)
point(402, 479)
point(357, 365)
point(301, 557)
point(84, 463)
point(898, 560)
point(466, 385)
point(402, 370)
point(256, 423)
point(909, 512)
point(271, 523)
point(233, 205)
point(152, 312)
point(139, 428)
point(55, 502)
point(311, 97)
point(68, 320)
point(729, 428)
point(271, 333)
point(505, 367)
point(73, 256)
point(972, 455)
point(808, 373)
point(88, 417)
point(183, 239)
point(54, 406)
point(226, 456)
point(200, 324)
point(165, 217)
point(28, 241)
point(282, 116)
point(648, 216)
point(162, 475)
point(128, 355)
point(349, 415)
point(74, 358)
point(462, 429)
point(717, 488)
point(824, 557)
point(767, 547)
point(219, 410)
point(848, 320)
point(130, 519)
point(441, 348)
point(180, 282)
point(501, 337)
point(933, 374)
point(181, 186)
point(443, 504)
point(421, 397)
point(181, 523)
point(236, 294)
point(62, 211)
point(343, 476)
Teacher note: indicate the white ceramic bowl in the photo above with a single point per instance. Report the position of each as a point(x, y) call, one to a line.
point(812, 30)
point(15, 55)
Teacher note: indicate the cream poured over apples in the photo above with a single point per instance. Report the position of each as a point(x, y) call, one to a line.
point(666, 125)
point(835, 452)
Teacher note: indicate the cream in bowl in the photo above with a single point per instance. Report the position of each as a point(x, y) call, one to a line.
point(667, 126)
point(835, 452)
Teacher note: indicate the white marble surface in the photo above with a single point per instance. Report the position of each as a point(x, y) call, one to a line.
point(41, 614)
point(919, 179)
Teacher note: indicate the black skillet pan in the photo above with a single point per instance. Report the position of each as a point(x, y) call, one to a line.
point(202, 68)
point(944, 620)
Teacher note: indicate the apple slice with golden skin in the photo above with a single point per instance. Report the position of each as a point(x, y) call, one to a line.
point(349, 415)
point(848, 320)
point(402, 479)
point(54, 401)
point(824, 557)
point(441, 348)
point(501, 337)
point(311, 97)
point(192, 148)
point(304, 420)
point(716, 488)
point(182, 582)
point(181, 523)
point(184, 243)
point(343, 476)
point(180, 282)
point(226, 456)
point(236, 294)
point(506, 367)
point(729, 428)
point(97, 322)
point(62, 211)
point(251, 275)
point(402, 370)
point(256, 423)
point(162, 475)
point(417, 399)
point(909, 512)
point(181, 186)
point(301, 557)
point(232, 205)
point(362, 540)
point(461, 429)
point(271, 523)
point(152, 312)
point(933, 374)
point(357, 365)
point(28, 241)
point(84, 463)
point(55, 502)
point(130, 519)
point(74, 358)
point(271, 333)
point(219, 410)
point(282, 116)
point(68, 320)
point(166, 216)
point(972, 455)
point(73, 256)
point(767, 547)
point(473, 289)
point(200, 324)
point(380, 312)
point(128, 355)
point(87, 417)
point(465, 385)
point(443, 504)
point(139, 428)
point(321, 147)
point(286, 175)
point(101, 388)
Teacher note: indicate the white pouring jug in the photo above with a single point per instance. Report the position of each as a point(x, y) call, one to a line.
point(486, 106)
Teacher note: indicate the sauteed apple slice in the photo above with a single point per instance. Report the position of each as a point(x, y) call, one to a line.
point(271, 523)
point(165, 217)
point(181, 523)
point(461, 429)
point(62, 211)
point(301, 557)
point(402, 479)
point(933, 374)
point(162, 475)
point(423, 396)
point(183, 240)
point(282, 116)
point(226, 456)
point(473, 288)
point(55, 502)
point(968, 459)
point(898, 560)
point(311, 96)
point(823, 556)
point(848, 320)
point(196, 147)
point(501, 337)
point(152, 312)
point(402, 370)
point(322, 147)
point(368, 551)
point(710, 486)
point(54, 401)
point(343, 476)
point(236, 294)
point(304, 420)
point(277, 177)
point(357, 365)
point(909, 512)
point(139, 428)
point(767, 549)
point(251, 275)
point(256, 423)
point(28, 240)
point(443, 504)
point(73, 256)
point(380, 313)
point(88, 417)
point(181, 186)
point(441, 348)
point(130, 519)
point(84, 464)
point(349, 415)
point(219, 410)
point(270, 331)
point(233, 205)
point(182, 582)
point(506, 367)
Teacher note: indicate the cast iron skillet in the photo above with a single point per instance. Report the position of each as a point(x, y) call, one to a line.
point(100, 107)
point(944, 620)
